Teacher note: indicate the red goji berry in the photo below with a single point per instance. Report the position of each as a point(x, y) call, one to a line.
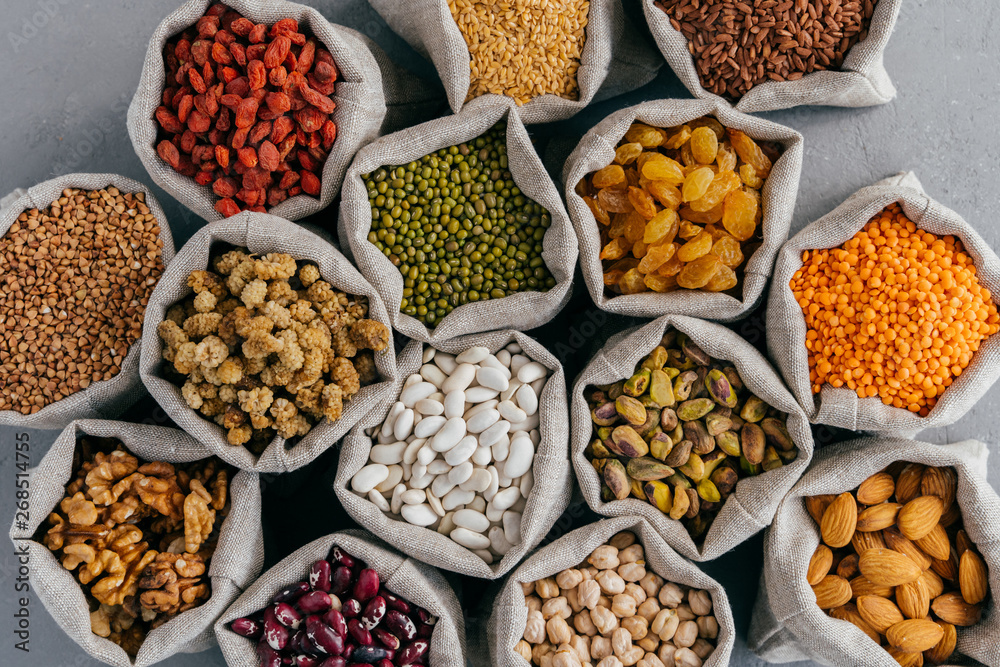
point(246, 113)
point(306, 160)
point(217, 9)
point(247, 156)
point(318, 100)
point(225, 38)
point(239, 53)
point(306, 57)
point(291, 62)
point(268, 156)
point(239, 139)
point(329, 133)
point(297, 190)
point(168, 96)
point(222, 157)
point(256, 178)
point(260, 131)
point(184, 108)
point(216, 135)
point(224, 122)
point(276, 77)
point(289, 179)
point(169, 153)
point(276, 51)
point(247, 196)
point(188, 140)
point(230, 100)
point(311, 184)
point(309, 119)
point(201, 51)
point(198, 122)
point(323, 87)
point(196, 81)
point(284, 27)
point(264, 113)
point(227, 207)
point(221, 55)
point(241, 26)
point(168, 121)
point(278, 102)
point(256, 52)
point(275, 196)
point(256, 74)
point(280, 129)
point(203, 178)
point(183, 50)
point(238, 86)
point(207, 26)
point(208, 75)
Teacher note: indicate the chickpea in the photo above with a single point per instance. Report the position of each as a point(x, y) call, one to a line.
point(623, 540)
point(547, 659)
point(650, 642)
point(556, 607)
point(604, 601)
point(635, 590)
point(583, 623)
point(632, 656)
point(539, 650)
point(600, 647)
point(534, 628)
point(547, 588)
point(533, 603)
point(685, 657)
point(708, 627)
point(528, 587)
point(702, 648)
point(610, 661)
point(567, 658)
point(648, 609)
point(665, 624)
point(569, 579)
point(631, 571)
point(670, 595)
point(687, 633)
point(611, 582)
point(621, 641)
point(623, 606)
point(573, 599)
point(581, 646)
point(604, 557)
point(523, 649)
point(589, 572)
point(650, 660)
point(684, 611)
point(605, 621)
point(700, 602)
point(631, 554)
point(637, 626)
point(666, 653)
point(651, 583)
point(559, 632)
point(588, 593)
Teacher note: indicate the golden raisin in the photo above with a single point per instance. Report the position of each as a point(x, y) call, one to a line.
point(722, 184)
point(627, 153)
point(704, 145)
point(724, 279)
point(658, 167)
point(600, 214)
point(728, 250)
point(648, 137)
point(614, 201)
point(679, 138)
point(661, 284)
point(696, 183)
point(696, 274)
point(662, 227)
point(739, 215)
point(656, 256)
point(696, 247)
point(642, 202)
point(610, 176)
point(632, 282)
point(750, 152)
point(665, 193)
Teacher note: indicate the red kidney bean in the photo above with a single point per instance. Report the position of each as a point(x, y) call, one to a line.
point(323, 637)
point(351, 609)
point(314, 602)
point(287, 615)
point(384, 662)
point(339, 556)
point(276, 634)
point(412, 653)
point(400, 625)
point(425, 616)
point(395, 602)
point(303, 660)
point(367, 586)
point(386, 638)
point(373, 613)
point(267, 655)
point(319, 576)
point(371, 654)
point(335, 620)
point(335, 661)
point(247, 627)
point(291, 593)
point(341, 580)
point(359, 632)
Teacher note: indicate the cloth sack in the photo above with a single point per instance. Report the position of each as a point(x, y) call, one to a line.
point(861, 81)
point(614, 61)
point(752, 505)
point(261, 233)
point(238, 557)
point(505, 626)
point(559, 247)
point(597, 149)
point(372, 94)
point(107, 398)
point(546, 502)
point(786, 327)
point(406, 577)
point(787, 625)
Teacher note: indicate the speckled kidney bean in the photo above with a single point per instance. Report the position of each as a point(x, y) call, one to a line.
point(315, 602)
point(386, 638)
point(367, 586)
point(400, 625)
point(396, 602)
point(335, 620)
point(287, 615)
point(291, 593)
point(341, 557)
point(341, 580)
point(374, 612)
point(319, 576)
point(303, 660)
point(335, 661)
point(359, 632)
point(276, 635)
point(412, 653)
point(351, 608)
point(247, 627)
point(323, 636)
point(268, 656)
point(371, 654)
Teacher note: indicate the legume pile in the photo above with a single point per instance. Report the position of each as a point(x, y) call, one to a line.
point(679, 207)
point(458, 227)
point(76, 277)
point(895, 313)
point(737, 45)
point(523, 49)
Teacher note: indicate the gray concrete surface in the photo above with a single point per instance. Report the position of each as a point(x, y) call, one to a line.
point(68, 70)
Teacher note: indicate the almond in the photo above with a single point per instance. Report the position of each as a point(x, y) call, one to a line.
point(888, 567)
point(879, 612)
point(848, 567)
point(942, 652)
point(972, 577)
point(862, 542)
point(819, 564)
point(832, 591)
point(933, 582)
point(849, 613)
point(816, 506)
point(919, 516)
point(906, 659)
point(878, 517)
point(839, 521)
point(939, 482)
point(962, 542)
point(861, 586)
point(876, 489)
point(947, 568)
point(895, 541)
point(951, 515)
point(913, 599)
point(935, 543)
point(915, 635)
point(908, 482)
point(951, 608)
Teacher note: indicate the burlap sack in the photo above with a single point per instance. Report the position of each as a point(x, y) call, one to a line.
point(546, 502)
point(751, 506)
point(786, 326)
point(786, 623)
point(238, 557)
point(597, 149)
point(860, 82)
point(366, 78)
point(506, 623)
point(261, 233)
point(528, 309)
point(615, 59)
point(406, 577)
point(108, 398)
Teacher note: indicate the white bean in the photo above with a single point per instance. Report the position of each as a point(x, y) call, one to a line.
point(469, 539)
point(396, 503)
point(472, 520)
point(390, 419)
point(422, 482)
point(438, 467)
point(527, 400)
point(498, 542)
point(527, 483)
point(492, 513)
point(395, 477)
point(512, 387)
point(480, 394)
point(503, 356)
point(447, 524)
point(441, 486)
point(493, 362)
point(461, 452)
point(428, 354)
point(493, 433)
point(454, 404)
point(512, 527)
point(369, 477)
point(460, 473)
point(445, 362)
point(511, 412)
point(387, 454)
point(513, 347)
point(428, 426)
point(404, 422)
point(433, 374)
point(478, 504)
point(473, 355)
point(478, 481)
point(522, 454)
point(482, 420)
point(501, 449)
point(485, 555)
point(482, 456)
point(494, 486)
point(531, 371)
point(415, 392)
point(460, 379)
point(456, 498)
point(419, 515)
point(410, 453)
point(412, 379)
point(435, 503)
point(378, 500)
point(426, 454)
point(488, 404)
point(505, 498)
point(492, 378)
point(429, 407)
point(413, 497)
point(450, 435)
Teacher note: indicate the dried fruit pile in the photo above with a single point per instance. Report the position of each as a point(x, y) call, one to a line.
point(523, 52)
point(264, 346)
point(342, 615)
point(76, 277)
point(458, 227)
point(679, 207)
point(139, 536)
point(681, 432)
point(737, 45)
point(622, 614)
point(896, 562)
point(895, 313)
point(247, 109)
